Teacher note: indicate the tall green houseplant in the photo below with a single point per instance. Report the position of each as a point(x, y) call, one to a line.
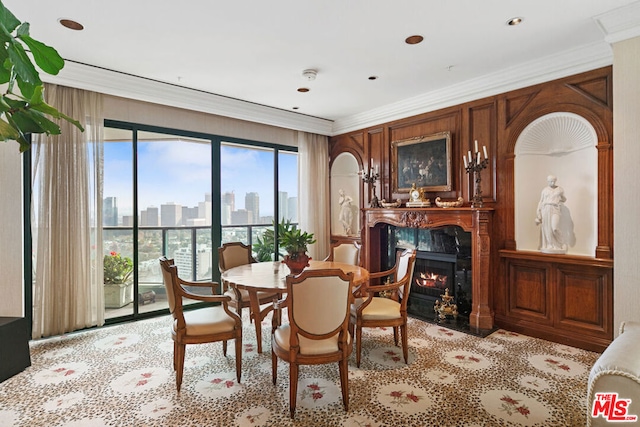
point(23, 110)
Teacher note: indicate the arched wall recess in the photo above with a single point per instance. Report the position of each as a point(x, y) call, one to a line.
point(561, 144)
point(345, 179)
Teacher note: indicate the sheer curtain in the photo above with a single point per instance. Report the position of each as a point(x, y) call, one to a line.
point(313, 191)
point(67, 217)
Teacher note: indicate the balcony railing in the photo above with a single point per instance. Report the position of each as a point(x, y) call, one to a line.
point(179, 243)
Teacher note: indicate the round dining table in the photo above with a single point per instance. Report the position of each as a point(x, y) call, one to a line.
point(271, 277)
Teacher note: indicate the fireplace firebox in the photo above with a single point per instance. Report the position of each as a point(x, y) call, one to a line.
point(442, 263)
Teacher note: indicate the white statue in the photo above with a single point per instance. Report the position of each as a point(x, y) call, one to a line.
point(549, 217)
point(346, 212)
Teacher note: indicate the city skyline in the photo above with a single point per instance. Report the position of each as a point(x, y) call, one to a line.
point(153, 215)
point(180, 170)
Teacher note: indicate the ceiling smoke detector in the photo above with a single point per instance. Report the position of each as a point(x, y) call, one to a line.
point(309, 74)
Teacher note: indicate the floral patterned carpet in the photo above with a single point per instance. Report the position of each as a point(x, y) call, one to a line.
point(122, 376)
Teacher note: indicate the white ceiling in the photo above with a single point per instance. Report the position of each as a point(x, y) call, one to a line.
point(256, 50)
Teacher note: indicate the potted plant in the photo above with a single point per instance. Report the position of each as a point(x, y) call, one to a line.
point(118, 286)
point(294, 241)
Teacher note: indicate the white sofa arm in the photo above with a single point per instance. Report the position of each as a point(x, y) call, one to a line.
point(617, 370)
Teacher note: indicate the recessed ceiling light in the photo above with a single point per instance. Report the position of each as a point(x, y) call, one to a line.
point(303, 89)
point(413, 39)
point(71, 24)
point(373, 77)
point(514, 21)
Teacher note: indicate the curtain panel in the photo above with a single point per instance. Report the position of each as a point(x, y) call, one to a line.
point(66, 217)
point(313, 191)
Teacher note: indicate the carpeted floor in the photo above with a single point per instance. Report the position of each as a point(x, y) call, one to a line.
point(122, 376)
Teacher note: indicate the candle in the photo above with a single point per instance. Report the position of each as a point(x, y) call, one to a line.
point(470, 156)
point(484, 148)
point(478, 157)
point(376, 169)
point(476, 145)
point(465, 161)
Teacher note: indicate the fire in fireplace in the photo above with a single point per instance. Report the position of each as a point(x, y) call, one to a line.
point(443, 262)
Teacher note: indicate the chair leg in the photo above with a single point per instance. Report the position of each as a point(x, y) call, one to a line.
point(293, 387)
point(175, 355)
point(395, 336)
point(274, 367)
point(179, 361)
point(405, 342)
point(224, 348)
point(238, 357)
point(358, 344)
point(344, 382)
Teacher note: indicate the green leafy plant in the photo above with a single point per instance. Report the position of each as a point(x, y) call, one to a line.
point(293, 240)
point(117, 269)
point(25, 112)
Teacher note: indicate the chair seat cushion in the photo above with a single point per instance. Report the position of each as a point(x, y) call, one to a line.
point(208, 320)
point(379, 309)
point(307, 346)
point(245, 295)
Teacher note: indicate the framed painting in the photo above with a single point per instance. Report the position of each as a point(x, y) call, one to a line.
point(423, 160)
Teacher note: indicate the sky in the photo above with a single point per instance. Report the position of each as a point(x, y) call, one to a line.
point(179, 171)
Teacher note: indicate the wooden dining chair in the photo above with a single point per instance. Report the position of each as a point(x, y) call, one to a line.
point(259, 303)
point(203, 325)
point(348, 253)
point(372, 310)
point(318, 304)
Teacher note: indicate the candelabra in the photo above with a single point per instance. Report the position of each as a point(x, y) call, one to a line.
point(370, 178)
point(475, 165)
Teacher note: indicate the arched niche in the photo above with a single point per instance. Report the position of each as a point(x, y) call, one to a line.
point(561, 144)
point(345, 178)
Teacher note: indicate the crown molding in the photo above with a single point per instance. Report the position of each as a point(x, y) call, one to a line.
point(620, 24)
point(552, 67)
point(537, 71)
point(82, 76)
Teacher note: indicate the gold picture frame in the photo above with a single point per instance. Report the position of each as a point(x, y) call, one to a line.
point(423, 160)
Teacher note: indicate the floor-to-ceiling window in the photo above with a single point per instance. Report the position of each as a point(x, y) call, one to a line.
point(259, 187)
point(182, 194)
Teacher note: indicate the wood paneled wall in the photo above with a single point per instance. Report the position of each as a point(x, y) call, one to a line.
point(497, 122)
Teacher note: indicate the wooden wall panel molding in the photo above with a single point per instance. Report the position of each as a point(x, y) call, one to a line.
point(577, 304)
point(598, 90)
point(529, 292)
point(515, 105)
point(584, 299)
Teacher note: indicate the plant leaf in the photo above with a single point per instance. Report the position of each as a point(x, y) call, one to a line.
point(22, 64)
point(45, 56)
point(5, 69)
point(8, 21)
point(7, 132)
point(26, 89)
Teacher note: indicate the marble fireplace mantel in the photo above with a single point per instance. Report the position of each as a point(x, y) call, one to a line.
point(477, 221)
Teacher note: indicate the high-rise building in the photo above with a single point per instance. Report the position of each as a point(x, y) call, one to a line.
point(292, 208)
point(188, 214)
point(252, 204)
point(240, 217)
point(204, 211)
point(283, 207)
point(127, 220)
point(153, 216)
point(184, 261)
point(228, 205)
point(110, 211)
point(170, 214)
